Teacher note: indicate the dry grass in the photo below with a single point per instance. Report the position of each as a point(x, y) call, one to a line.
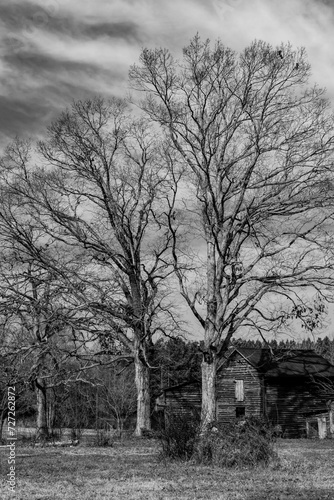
point(133, 471)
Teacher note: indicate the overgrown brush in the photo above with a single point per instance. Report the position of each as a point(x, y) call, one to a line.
point(246, 443)
point(178, 437)
point(103, 438)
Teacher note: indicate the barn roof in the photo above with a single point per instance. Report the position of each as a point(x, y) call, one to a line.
point(274, 363)
point(287, 362)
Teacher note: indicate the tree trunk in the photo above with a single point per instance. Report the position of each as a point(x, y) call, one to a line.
point(142, 379)
point(208, 415)
point(209, 363)
point(50, 409)
point(41, 419)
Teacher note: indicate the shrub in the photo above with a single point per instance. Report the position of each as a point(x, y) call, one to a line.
point(76, 434)
point(55, 435)
point(178, 436)
point(147, 434)
point(246, 443)
point(28, 440)
point(103, 438)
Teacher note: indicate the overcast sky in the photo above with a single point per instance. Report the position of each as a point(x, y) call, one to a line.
point(53, 51)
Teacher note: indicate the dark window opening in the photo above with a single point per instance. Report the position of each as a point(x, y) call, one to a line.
point(240, 411)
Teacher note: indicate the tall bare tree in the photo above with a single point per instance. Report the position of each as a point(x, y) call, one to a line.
point(257, 144)
point(105, 190)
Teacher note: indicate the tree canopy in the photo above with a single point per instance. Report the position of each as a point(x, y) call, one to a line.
point(256, 143)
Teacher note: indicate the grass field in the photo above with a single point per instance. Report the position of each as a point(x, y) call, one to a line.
point(133, 470)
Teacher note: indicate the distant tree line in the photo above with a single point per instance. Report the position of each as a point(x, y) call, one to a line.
point(105, 398)
point(323, 346)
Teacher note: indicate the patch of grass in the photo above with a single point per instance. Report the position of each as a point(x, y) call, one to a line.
point(131, 470)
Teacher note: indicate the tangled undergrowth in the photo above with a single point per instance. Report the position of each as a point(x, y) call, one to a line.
point(245, 443)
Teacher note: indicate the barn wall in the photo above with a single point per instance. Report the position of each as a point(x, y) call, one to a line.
point(184, 400)
point(228, 390)
point(289, 402)
point(240, 387)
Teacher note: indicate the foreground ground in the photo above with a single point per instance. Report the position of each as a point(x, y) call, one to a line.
point(133, 470)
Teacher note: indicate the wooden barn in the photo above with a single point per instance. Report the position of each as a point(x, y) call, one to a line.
point(183, 399)
point(285, 386)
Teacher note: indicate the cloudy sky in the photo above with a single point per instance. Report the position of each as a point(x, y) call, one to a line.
point(53, 51)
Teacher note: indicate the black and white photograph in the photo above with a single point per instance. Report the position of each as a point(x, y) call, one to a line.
point(167, 249)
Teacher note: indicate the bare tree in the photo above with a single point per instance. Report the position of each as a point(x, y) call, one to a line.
point(42, 323)
point(105, 192)
point(257, 145)
point(36, 317)
point(117, 394)
point(13, 375)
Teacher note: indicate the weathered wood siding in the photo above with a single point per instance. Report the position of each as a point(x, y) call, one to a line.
point(289, 402)
point(245, 387)
point(238, 386)
point(321, 425)
point(183, 400)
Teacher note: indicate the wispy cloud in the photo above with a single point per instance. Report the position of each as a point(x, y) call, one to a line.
point(53, 51)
